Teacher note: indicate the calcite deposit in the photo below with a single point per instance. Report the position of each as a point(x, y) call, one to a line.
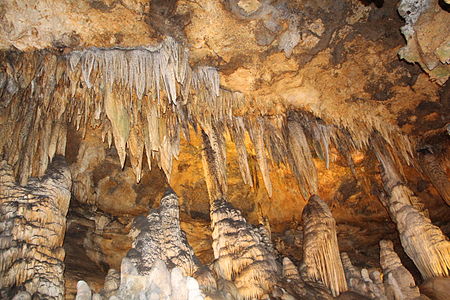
point(241, 256)
point(398, 280)
point(32, 228)
point(252, 111)
point(322, 261)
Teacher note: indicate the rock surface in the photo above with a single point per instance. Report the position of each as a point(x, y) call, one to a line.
point(32, 227)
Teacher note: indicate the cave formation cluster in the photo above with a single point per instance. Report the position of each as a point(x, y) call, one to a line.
point(248, 149)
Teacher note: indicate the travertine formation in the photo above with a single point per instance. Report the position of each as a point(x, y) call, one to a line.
point(241, 255)
point(32, 228)
point(321, 257)
point(398, 281)
point(159, 237)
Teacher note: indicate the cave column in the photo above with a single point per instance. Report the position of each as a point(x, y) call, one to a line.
point(32, 228)
point(422, 241)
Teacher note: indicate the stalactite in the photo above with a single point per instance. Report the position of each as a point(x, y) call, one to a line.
point(240, 254)
point(256, 130)
point(159, 237)
point(32, 227)
point(237, 131)
point(304, 166)
point(320, 247)
point(422, 241)
point(399, 282)
point(214, 162)
point(152, 94)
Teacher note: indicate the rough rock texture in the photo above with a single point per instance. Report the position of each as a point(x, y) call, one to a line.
point(241, 256)
point(83, 23)
point(434, 168)
point(303, 86)
point(426, 45)
point(399, 282)
point(321, 258)
point(32, 227)
point(158, 236)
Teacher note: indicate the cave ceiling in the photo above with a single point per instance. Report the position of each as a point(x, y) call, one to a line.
point(262, 102)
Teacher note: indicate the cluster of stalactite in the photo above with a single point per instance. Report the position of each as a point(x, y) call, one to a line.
point(422, 241)
point(144, 99)
point(158, 236)
point(32, 227)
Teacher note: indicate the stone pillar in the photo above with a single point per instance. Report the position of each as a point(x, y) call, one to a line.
point(32, 227)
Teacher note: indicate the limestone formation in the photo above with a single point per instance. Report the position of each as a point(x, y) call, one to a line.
point(299, 289)
point(158, 236)
point(422, 241)
point(399, 282)
point(320, 247)
point(158, 283)
point(430, 51)
point(112, 283)
point(359, 280)
point(32, 228)
point(83, 291)
point(241, 256)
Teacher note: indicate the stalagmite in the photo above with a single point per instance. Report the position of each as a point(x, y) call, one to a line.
point(159, 237)
point(32, 227)
point(359, 281)
point(83, 291)
point(320, 247)
point(241, 256)
point(112, 283)
point(293, 282)
point(159, 283)
point(399, 282)
point(422, 241)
